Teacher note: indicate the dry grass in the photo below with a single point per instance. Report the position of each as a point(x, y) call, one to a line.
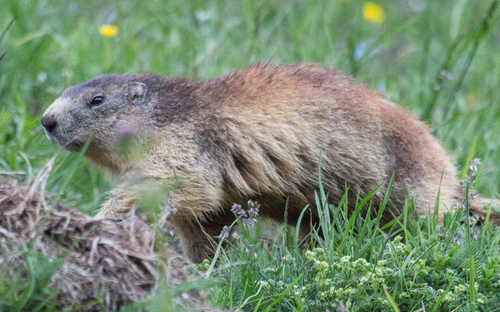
point(108, 263)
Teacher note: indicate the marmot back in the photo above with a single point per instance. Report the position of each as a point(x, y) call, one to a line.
point(254, 134)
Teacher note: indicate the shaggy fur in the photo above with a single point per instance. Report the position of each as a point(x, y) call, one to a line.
point(254, 134)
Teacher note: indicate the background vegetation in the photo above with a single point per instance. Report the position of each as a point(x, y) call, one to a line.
point(439, 59)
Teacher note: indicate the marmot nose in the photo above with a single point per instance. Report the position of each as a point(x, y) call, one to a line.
point(49, 123)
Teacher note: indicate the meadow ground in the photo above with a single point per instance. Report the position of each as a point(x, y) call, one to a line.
point(438, 59)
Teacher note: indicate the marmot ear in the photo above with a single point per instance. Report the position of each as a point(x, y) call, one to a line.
point(137, 91)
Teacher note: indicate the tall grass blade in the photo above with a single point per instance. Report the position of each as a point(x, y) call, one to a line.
point(384, 202)
point(283, 294)
point(392, 303)
point(470, 156)
point(441, 298)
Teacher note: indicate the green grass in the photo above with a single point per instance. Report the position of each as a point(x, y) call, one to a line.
point(359, 265)
point(439, 59)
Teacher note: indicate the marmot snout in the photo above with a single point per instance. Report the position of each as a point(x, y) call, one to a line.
point(254, 134)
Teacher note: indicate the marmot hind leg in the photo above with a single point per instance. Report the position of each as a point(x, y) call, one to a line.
point(480, 206)
point(199, 238)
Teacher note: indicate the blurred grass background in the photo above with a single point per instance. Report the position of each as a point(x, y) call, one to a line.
point(439, 59)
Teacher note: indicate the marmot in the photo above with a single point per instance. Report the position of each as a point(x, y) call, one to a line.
point(256, 134)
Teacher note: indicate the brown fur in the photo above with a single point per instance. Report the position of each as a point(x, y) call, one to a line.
point(254, 134)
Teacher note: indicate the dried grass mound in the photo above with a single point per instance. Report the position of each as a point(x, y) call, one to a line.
point(107, 263)
point(114, 256)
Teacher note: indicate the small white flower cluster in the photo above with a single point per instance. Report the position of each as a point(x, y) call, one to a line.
point(396, 245)
point(321, 266)
point(310, 255)
point(345, 259)
point(263, 284)
point(449, 296)
point(376, 276)
point(339, 293)
point(299, 293)
point(289, 258)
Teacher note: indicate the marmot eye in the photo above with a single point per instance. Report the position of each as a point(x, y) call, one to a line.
point(97, 100)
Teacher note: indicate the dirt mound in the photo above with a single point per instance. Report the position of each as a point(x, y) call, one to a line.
point(107, 262)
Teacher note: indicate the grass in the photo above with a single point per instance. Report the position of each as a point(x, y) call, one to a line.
point(359, 265)
point(439, 59)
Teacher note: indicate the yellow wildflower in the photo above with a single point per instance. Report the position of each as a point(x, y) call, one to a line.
point(204, 265)
point(373, 12)
point(108, 30)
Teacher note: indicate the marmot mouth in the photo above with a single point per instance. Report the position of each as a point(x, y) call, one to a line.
point(49, 136)
point(74, 146)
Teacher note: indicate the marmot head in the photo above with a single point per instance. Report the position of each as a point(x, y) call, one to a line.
point(102, 109)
